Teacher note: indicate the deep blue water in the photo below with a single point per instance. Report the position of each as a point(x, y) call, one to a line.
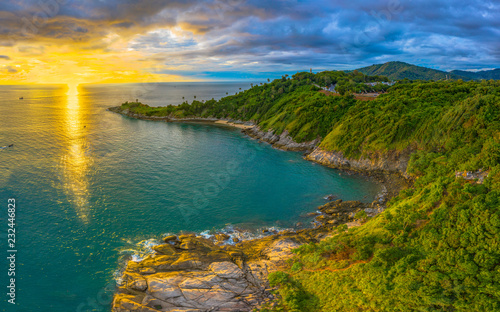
point(90, 184)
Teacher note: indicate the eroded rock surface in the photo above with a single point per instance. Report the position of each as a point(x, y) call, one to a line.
point(283, 141)
point(191, 273)
point(393, 162)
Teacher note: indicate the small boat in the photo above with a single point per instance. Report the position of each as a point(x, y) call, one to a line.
point(11, 145)
point(21, 98)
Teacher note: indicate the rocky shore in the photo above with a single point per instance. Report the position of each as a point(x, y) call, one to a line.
point(391, 162)
point(196, 274)
point(283, 141)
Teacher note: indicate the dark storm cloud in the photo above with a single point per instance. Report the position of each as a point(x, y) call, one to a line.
point(287, 33)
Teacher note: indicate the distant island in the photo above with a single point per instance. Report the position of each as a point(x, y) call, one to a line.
point(430, 245)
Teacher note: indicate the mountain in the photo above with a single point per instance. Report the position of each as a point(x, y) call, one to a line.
point(484, 74)
point(401, 70)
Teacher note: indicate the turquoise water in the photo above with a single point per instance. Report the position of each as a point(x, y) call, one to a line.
point(90, 185)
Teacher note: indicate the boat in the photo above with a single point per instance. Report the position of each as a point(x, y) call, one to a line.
point(21, 98)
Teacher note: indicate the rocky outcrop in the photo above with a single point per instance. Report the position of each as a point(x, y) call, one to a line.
point(342, 212)
point(390, 162)
point(191, 273)
point(477, 176)
point(283, 141)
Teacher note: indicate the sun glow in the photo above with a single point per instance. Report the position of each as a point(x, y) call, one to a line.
point(76, 161)
point(72, 92)
point(65, 65)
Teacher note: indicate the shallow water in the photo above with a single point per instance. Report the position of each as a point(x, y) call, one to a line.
point(90, 185)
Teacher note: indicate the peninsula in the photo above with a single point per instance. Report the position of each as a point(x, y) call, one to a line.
point(429, 245)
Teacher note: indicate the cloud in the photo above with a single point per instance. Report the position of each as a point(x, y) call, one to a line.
point(10, 69)
point(236, 36)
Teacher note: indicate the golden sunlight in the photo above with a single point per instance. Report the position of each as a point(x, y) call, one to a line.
point(77, 160)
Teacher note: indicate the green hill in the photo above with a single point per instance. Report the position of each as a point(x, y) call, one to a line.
point(401, 70)
point(484, 74)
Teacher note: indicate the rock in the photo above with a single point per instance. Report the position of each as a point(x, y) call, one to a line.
point(171, 239)
point(188, 243)
point(391, 161)
point(235, 239)
point(145, 271)
point(330, 197)
point(165, 249)
point(186, 236)
point(313, 214)
point(280, 250)
point(226, 270)
point(134, 281)
point(221, 237)
point(163, 286)
point(283, 141)
point(126, 304)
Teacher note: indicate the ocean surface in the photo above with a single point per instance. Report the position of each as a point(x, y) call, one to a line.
point(94, 189)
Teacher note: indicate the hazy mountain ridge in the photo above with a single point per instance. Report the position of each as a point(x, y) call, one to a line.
point(401, 70)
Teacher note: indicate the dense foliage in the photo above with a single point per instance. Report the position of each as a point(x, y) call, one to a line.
point(291, 104)
point(482, 74)
point(437, 245)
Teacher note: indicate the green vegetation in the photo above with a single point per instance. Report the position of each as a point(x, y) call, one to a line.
point(291, 104)
point(437, 245)
point(483, 74)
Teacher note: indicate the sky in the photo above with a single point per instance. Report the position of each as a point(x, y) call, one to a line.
point(112, 41)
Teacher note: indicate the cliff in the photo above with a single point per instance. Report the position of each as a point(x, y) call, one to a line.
point(390, 162)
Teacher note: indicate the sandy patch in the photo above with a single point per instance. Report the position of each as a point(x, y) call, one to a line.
point(232, 124)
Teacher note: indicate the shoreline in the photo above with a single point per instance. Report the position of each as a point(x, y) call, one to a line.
point(188, 270)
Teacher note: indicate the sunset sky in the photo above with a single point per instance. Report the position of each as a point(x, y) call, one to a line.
point(66, 41)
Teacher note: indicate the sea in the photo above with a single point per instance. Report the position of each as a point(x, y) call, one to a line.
point(93, 189)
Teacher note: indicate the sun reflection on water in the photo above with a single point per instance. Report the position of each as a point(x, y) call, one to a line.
point(77, 159)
